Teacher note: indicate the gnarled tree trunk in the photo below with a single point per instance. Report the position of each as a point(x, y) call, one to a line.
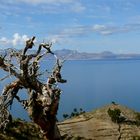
point(43, 101)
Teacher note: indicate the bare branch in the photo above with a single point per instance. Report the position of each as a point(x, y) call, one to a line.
point(43, 101)
point(29, 45)
point(8, 67)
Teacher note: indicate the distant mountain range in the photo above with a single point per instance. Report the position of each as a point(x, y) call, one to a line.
point(75, 55)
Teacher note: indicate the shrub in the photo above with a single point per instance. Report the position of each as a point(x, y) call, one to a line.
point(115, 115)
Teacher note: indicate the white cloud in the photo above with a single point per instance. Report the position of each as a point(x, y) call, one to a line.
point(58, 38)
point(15, 41)
point(85, 31)
point(104, 29)
point(24, 38)
point(78, 7)
point(18, 39)
point(98, 27)
point(4, 41)
point(74, 32)
point(106, 32)
point(110, 29)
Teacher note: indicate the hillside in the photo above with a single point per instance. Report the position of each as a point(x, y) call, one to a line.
point(94, 125)
point(97, 125)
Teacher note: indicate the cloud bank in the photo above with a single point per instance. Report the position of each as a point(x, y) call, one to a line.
point(74, 32)
point(14, 41)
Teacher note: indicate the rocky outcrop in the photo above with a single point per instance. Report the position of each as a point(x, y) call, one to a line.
point(97, 125)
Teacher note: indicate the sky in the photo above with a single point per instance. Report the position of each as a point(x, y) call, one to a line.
point(82, 25)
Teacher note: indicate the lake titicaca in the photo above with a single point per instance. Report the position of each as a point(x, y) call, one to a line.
point(91, 84)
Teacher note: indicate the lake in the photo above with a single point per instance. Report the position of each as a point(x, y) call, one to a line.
point(92, 84)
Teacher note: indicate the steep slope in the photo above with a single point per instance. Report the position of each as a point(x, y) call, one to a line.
point(97, 125)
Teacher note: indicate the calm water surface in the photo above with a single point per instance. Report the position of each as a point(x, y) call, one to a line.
point(92, 84)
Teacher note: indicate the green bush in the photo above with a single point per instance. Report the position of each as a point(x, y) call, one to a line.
point(75, 113)
point(115, 115)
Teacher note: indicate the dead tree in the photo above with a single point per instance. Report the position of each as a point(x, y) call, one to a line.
point(43, 101)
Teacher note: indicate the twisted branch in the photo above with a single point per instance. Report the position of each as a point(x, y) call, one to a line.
point(43, 101)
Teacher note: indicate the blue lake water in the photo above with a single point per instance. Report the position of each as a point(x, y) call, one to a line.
point(92, 84)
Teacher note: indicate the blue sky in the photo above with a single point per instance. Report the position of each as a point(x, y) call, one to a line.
point(83, 25)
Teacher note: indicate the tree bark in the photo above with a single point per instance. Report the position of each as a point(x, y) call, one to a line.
point(42, 104)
